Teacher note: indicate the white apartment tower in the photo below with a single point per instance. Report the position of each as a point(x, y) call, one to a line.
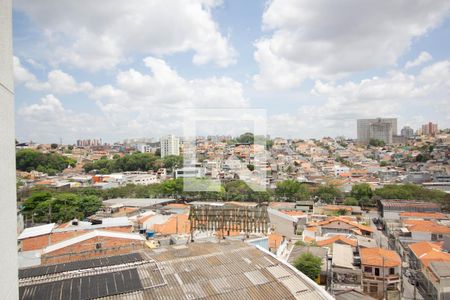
point(382, 129)
point(170, 145)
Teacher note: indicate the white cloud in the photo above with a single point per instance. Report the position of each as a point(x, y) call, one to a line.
point(138, 104)
point(396, 94)
point(58, 82)
point(90, 35)
point(156, 102)
point(21, 74)
point(330, 39)
point(420, 60)
point(50, 121)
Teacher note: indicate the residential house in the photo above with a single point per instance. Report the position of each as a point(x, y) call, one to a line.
point(345, 274)
point(438, 279)
point(420, 230)
point(298, 250)
point(381, 272)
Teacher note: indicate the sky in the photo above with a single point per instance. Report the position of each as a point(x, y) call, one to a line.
point(127, 69)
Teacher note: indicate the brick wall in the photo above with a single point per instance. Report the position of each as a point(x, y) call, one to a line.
point(42, 241)
point(92, 248)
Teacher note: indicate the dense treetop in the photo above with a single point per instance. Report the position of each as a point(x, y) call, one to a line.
point(50, 163)
point(134, 162)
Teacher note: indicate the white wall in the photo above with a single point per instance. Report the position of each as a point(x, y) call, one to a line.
point(421, 236)
point(8, 214)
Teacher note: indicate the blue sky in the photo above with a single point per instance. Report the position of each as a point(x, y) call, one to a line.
point(84, 69)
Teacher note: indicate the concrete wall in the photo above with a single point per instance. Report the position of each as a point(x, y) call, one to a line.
point(8, 213)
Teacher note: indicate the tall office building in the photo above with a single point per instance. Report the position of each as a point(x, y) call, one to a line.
point(407, 132)
point(429, 128)
point(170, 145)
point(382, 129)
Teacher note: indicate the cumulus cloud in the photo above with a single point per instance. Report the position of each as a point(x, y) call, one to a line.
point(92, 35)
point(21, 74)
point(156, 101)
point(50, 120)
point(420, 60)
point(329, 39)
point(396, 94)
point(58, 81)
point(149, 103)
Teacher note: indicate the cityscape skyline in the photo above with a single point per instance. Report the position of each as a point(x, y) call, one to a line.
point(98, 140)
point(227, 54)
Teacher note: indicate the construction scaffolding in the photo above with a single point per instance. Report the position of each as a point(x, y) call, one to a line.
point(229, 219)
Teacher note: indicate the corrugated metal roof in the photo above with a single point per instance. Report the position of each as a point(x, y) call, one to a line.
point(226, 270)
point(36, 231)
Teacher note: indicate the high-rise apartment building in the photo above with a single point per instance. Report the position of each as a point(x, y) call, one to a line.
point(429, 128)
point(407, 132)
point(89, 143)
point(382, 129)
point(170, 145)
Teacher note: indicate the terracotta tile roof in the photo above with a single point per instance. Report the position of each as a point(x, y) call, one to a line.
point(337, 238)
point(421, 248)
point(428, 252)
point(435, 215)
point(308, 239)
point(337, 207)
point(347, 221)
point(312, 229)
point(45, 182)
point(426, 226)
point(434, 255)
point(293, 212)
point(379, 257)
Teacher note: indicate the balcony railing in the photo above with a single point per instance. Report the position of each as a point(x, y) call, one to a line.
point(387, 278)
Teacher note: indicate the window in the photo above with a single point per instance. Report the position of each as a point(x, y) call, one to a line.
point(98, 246)
point(391, 271)
point(368, 269)
point(377, 272)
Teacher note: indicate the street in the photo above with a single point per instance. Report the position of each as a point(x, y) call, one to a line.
point(382, 240)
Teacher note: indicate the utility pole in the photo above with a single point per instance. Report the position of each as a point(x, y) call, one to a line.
point(384, 283)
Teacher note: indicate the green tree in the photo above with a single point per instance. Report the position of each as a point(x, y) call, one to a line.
point(30, 204)
point(246, 138)
point(291, 190)
point(350, 201)
point(173, 161)
point(251, 167)
point(361, 190)
point(29, 160)
point(54, 146)
point(309, 264)
point(328, 193)
point(377, 143)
